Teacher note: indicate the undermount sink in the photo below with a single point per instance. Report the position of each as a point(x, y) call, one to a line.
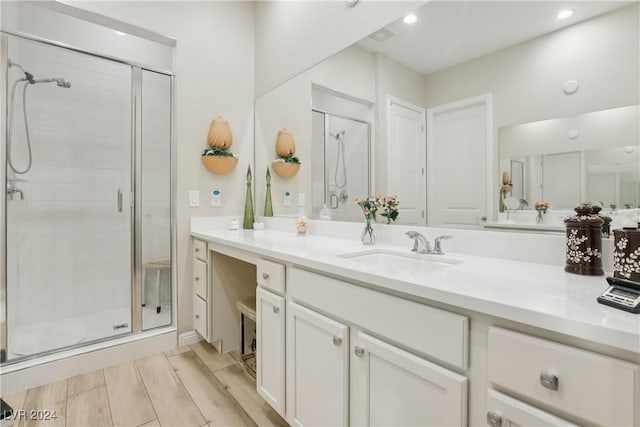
point(405, 261)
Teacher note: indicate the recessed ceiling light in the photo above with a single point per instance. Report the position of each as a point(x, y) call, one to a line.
point(120, 33)
point(410, 18)
point(629, 149)
point(564, 14)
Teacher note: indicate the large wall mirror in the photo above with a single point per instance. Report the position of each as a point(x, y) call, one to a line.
point(437, 110)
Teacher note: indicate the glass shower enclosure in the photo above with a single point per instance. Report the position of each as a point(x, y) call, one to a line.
point(341, 148)
point(87, 212)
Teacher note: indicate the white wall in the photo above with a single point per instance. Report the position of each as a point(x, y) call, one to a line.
point(214, 76)
point(526, 79)
point(293, 36)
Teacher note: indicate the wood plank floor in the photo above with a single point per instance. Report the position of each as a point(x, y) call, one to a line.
point(188, 386)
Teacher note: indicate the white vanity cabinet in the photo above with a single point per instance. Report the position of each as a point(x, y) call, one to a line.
point(270, 334)
point(598, 389)
point(200, 288)
point(393, 387)
point(317, 369)
point(369, 380)
point(270, 354)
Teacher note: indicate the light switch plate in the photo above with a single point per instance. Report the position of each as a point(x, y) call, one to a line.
point(194, 198)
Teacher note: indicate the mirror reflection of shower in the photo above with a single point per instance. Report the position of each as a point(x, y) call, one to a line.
point(27, 80)
point(341, 153)
point(340, 181)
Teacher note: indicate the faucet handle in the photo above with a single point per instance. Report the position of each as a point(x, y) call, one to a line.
point(413, 235)
point(437, 246)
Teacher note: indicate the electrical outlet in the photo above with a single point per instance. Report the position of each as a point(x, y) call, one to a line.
point(216, 198)
point(194, 198)
point(287, 198)
point(301, 199)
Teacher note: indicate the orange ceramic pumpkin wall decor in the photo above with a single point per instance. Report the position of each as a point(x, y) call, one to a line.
point(220, 135)
point(287, 165)
point(215, 157)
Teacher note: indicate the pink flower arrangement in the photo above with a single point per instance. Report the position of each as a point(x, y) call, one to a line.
point(390, 208)
point(371, 205)
point(542, 206)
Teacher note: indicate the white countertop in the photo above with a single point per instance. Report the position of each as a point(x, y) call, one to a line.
point(539, 295)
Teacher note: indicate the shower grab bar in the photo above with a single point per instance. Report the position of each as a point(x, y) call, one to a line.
point(119, 200)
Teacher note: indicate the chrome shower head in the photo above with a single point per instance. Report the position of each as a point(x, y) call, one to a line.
point(61, 82)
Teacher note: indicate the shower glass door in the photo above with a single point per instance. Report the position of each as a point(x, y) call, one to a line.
point(69, 215)
point(344, 144)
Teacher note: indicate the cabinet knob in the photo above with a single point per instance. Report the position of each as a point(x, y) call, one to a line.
point(549, 380)
point(197, 316)
point(197, 278)
point(265, 276)
point(493, 419)
point(276, 309)
point(358, 351)
point(197, 249)
point(337, 340)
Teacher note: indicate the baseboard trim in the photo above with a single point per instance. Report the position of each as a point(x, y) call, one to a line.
point(188, 338)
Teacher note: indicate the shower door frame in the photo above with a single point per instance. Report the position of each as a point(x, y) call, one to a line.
point(135, 197)
point(370, 149)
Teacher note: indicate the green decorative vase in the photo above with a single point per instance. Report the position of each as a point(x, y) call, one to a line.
point(268, 204)
point(248, 204)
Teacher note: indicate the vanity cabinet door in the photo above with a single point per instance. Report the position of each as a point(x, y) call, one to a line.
point(391, 387)
point(317, 369)
point(270, 367)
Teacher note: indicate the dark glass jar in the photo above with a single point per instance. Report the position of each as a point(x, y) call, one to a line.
point(626, 253)
point(606, 227)
point(584, 242)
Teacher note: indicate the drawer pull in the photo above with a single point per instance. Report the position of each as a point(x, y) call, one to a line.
point(549, 380)
point(276, 309)
point(493, 419)
point(337, 340)
point(358, 351)
point(265, 276)
point(197, 316)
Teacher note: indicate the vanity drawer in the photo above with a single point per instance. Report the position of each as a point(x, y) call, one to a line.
point(200, 249)
point(200, 278)
point(270, 275)
point(506, 411)
point(200, 317)
point(434, 332)
point(596, 388)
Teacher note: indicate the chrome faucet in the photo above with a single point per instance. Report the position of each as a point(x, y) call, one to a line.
point(417, 239)
point(437, 245)
point(13, 189)
point(425, 248)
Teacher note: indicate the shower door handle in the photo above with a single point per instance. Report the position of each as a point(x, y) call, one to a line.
point(119, 200)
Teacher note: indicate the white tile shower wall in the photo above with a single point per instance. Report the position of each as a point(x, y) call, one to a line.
point(69, 250)
point(31, 18)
